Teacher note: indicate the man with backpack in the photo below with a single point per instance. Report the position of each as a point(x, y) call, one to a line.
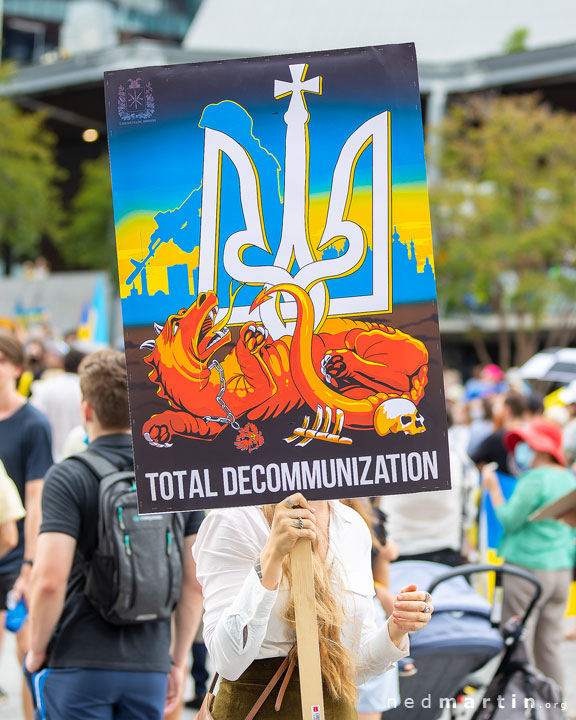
point(105, 579)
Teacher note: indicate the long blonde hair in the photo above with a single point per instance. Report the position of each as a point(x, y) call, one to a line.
point(336, 660)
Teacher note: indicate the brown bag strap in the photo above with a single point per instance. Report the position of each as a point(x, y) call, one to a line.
point(213, 683)
point(206, 709)
point(268, 689)
point(285, 682)
point(287, 666)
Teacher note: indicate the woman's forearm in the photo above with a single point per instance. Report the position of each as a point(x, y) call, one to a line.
point(379, 651)
point(496, 496)
point(270, 569)
point(235, 640)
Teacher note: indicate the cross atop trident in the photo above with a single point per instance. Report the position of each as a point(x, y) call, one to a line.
point(297, 110)
point(294, 240)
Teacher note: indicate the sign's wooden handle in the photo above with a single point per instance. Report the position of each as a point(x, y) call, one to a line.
point(307, 631)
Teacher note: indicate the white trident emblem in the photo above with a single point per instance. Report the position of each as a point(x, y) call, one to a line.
point(295, 242)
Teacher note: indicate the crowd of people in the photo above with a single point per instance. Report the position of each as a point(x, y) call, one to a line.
point(58, 399)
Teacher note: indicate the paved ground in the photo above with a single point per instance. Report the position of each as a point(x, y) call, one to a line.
point(10, 679)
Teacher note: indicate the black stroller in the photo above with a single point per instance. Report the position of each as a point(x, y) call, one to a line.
point(461, 638)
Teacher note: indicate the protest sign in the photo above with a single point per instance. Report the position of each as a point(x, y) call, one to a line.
point(556, 510)
point(277, 279)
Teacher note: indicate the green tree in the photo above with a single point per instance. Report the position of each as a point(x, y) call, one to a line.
point(89, 234)
point(504, 220)
point(30, 207)
point(516, 41)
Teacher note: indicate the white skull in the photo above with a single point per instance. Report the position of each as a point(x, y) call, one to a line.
point(397, 415)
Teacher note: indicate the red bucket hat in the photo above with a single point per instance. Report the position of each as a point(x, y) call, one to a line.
point(542, 435)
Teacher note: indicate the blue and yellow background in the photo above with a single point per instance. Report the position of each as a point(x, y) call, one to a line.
point(157, 168)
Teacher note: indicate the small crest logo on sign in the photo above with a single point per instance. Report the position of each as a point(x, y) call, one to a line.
point(135, 100)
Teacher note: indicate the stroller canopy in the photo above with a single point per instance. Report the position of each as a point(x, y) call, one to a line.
point(461, 620)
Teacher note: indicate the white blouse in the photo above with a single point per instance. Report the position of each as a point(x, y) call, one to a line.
point(243, 620)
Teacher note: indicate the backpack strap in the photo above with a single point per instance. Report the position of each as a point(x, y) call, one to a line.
point(100, 468)
point(98, 464)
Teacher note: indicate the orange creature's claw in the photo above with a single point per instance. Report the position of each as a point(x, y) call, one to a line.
point(157, 435)
point(333, 367)
point(254, 337)
point(157, 432)
point(419, 384)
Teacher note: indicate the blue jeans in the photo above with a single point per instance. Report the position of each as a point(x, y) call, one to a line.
point(76, 694)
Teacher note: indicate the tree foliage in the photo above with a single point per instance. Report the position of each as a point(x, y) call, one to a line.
point(30, 205)
point(504, 216)
point(89, 233)
point(516, 41)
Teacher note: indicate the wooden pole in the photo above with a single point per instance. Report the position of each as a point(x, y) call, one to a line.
point(307, 631)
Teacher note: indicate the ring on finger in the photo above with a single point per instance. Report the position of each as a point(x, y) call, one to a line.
point(289, 503)
point(427, 608)
point(428, 597)
point(301, 523)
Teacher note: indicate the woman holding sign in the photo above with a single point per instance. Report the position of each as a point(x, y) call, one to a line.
point(242, 558)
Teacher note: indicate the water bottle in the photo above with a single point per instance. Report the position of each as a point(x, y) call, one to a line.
point(16, 613)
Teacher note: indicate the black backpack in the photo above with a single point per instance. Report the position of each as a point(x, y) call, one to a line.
point(135, 572)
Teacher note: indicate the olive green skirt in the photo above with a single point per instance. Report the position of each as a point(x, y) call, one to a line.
point(234, 700)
